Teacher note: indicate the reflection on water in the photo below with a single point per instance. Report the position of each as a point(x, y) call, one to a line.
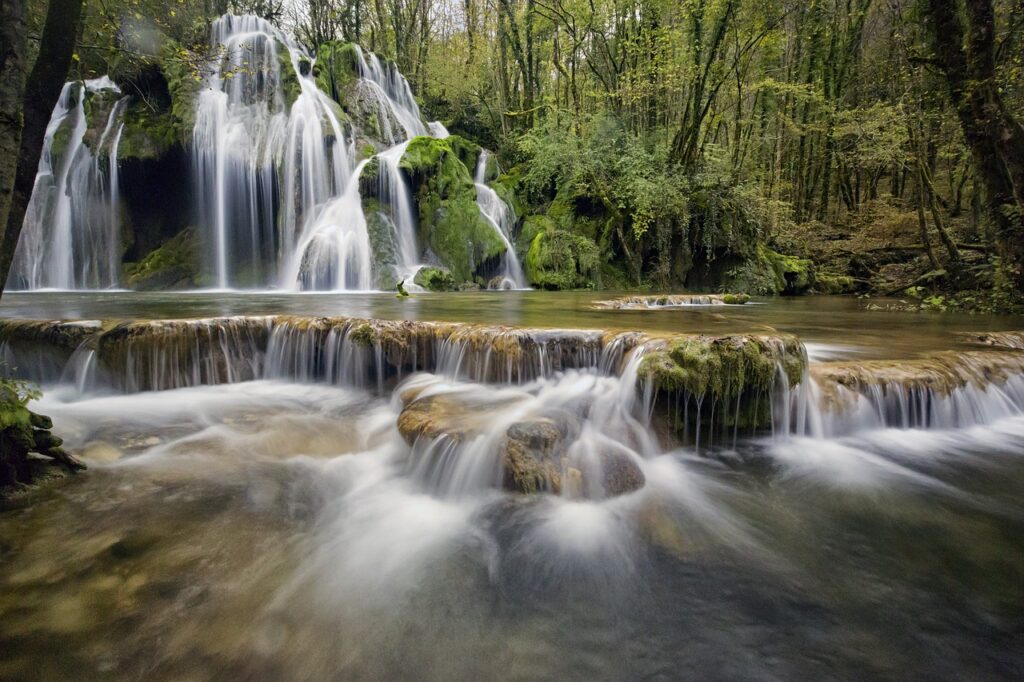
point(839, 321)
point(272, 530)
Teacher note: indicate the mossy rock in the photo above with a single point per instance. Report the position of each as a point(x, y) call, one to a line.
point(23, 433)
point(771, 273)
point(735, 299)
point(827, 283)
point(467, 152)
point(382, 243)
point(174, 265)
point(147, 135)
point(450, 222)
point(731, 375)
point(558, 259)
point(290, 86)
point(435, 279)
point(336, 69)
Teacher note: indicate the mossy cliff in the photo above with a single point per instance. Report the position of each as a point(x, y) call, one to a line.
point(450, 223)
point(558, 259)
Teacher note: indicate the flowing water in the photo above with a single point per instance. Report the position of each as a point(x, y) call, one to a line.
point(72, 229)
point(501, 217)
point(263, 516)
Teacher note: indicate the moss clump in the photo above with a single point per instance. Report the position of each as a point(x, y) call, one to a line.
point(173, 265)
point(449, 218)
point(558, 259)
point(729, 374)
point(435, 279)
point(735, 299)
point(22, 433)
point(467, 152)
point(827, 283)
point(147, 134)
point(363, 335)
point(770, 273)
point(290, 86)
point(336, 69)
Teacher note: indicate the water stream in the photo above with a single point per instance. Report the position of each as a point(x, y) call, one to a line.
point(279, 509)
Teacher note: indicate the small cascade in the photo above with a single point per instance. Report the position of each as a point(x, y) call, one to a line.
point(670, 301)
point(72, 233)
point(264, 166)
point(500, 216)
point(943, 391)
point(394, 191)
point(394, 99)
point(334, 250)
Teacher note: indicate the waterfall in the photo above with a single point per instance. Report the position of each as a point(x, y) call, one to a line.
point(394, 191)
point(72, 231)
point(394, 97)
point(499, 215)
point(263, 169)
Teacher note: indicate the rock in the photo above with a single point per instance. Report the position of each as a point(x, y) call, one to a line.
point(735, 299)
point(450, 221)
point(174, 265)
point(435, 279)
point(532, 455)
point(558, 259)
point(620, 473)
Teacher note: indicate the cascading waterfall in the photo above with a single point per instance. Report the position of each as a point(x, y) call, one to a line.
point(264, 168)
point(500, 216)
point(72, 232)
point(395, 192)
point(394, 99)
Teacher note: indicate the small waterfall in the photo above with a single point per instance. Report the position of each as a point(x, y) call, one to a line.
point(394, 99)
point(334, 250)
point(395, 192)
point(500, 216)
point(72, 232)
point(264, 167)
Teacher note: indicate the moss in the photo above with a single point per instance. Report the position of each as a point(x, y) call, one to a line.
point(147, 134)
point(508, 185)
point(770, 273)
point(558, 259)
point(735, 299)
point(827, 283)
point(184, 84)
point(290, 86)
point(449, 218)
point(23, 432)
point(731, 373)
point(382, 243)
point(467, 152)
point(336, 69)
point(174, 265)
point(363, 335)
point(435, 279)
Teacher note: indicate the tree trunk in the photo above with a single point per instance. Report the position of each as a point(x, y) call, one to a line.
point(12, 96)
point(42, 89)
point(996, 139)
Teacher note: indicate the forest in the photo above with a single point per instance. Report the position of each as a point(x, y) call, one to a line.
point(861, 146)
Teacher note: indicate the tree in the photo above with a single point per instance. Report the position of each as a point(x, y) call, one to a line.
point(12, 94)
point(42, 89)
point(965, 48)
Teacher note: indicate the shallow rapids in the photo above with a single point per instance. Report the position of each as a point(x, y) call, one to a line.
point(276, 514)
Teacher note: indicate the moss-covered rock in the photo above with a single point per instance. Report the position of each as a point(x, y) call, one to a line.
point(174, 265)
point(336, 69)
point(22, 433)
point(435, 279)
point(771, 273)
point(731, 375)
point(382, 243)
point(467, 152)
point(558, 259)
point(450, 222)
point(828, 283)
point(735, 299)
point(290, 86)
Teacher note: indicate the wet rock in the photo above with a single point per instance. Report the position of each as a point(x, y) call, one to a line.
point(532, 456)
point(620, 474)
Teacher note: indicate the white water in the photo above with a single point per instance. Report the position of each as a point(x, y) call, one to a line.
point(499, 216)
point(72, 232)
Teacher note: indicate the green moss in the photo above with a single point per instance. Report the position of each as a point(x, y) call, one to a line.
point(558, 259)
point(336, 69)
point(363, 335)
point(382, 243)
point(435, 279)
point(508, 185)
point(147, 134)
point(826, 283)
point(450, 222)
point(734, 373)
point(735, 299)
point(467, 152)
point(770, 273)
point(290, 86)
point(175, 264)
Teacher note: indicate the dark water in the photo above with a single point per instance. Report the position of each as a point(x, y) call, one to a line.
point(272, 530)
